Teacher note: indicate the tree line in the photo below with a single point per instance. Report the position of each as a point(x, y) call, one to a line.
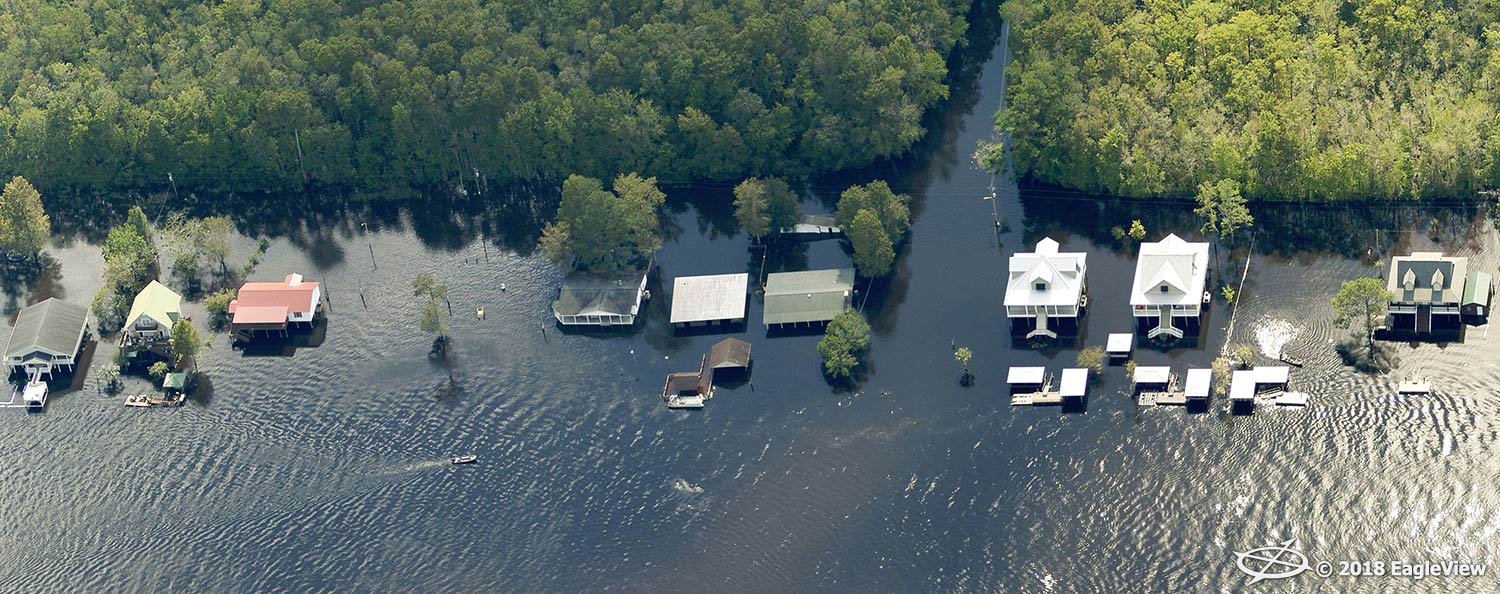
point(255, 95)
point(1321, 99)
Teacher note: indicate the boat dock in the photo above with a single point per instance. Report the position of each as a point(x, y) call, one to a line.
point(1267, 384)
point(149, 400)
point(1414, 385)
point(1195, 390)
point(1031, 386)
point(1156, 386)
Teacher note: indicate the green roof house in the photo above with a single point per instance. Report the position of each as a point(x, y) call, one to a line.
point(148, 327)
point(808, 297)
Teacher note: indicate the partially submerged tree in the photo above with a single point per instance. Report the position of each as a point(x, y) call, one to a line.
point(751, 208)
point(1221, 375)
point(844, 340)
point(217, 305)
point(1362, 301)
point(159, 370)
point(434, 315)
point(783, 207)
point(1091, 358)
point(890, 209)
point(605, 231)
point(190, 241)
point(24, 224)
point(873, 252)
point(186, 342)
point(128, 262)
point(963, 355)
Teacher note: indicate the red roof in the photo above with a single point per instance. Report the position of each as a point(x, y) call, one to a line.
point(269, 303)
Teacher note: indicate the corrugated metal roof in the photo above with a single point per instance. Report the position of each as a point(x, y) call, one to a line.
point(1075, 381)
point(587, 293)
point(1477, 289)
point(1182, 266)
point(1026, 375)
point(54, 326)
point(808, 296)
point(1199, 381)
point(709, 298)
point(730, 352)
point(1061, 273)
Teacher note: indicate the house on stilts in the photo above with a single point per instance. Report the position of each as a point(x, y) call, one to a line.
point(1169, 292)
point(1046, 292)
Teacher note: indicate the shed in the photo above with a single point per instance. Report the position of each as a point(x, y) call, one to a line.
point(1199, 382)
point(730, 353)
point(1477, 292)
point(1242, 386)
point(47, 336)
point(1120, 344)
point(174, 381)
point(1026, 376)
point(1153, 375)
point(594, 299)
point(807, 297)
point(712, 299)
point(1075, 381)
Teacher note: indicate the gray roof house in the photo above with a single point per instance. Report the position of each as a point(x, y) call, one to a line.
point(1426, 287)
point(807, 297)
point(47, 337)
point(593, 299)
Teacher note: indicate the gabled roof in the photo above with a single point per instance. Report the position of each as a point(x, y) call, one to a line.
point(53, 326)
point(1180, 265)
point(729, 353)
point(258, 302)
point(600, 294)
point(1477, 289)
point(1062, 273)
point(709, 298)
point(156, 302)
point(1420, 271)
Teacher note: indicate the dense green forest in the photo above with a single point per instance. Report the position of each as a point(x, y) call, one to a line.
point(276, 95)
point(1303, 99)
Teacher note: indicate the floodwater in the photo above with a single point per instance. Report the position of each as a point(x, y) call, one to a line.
point(321, 467)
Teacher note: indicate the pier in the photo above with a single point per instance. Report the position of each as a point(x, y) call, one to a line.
point(1269, 384)
point(1031, 386)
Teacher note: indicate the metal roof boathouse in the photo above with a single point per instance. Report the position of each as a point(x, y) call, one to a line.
point(808, 297)
point(709, 300)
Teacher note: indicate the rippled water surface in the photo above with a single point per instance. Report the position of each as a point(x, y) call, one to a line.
point(324, 470)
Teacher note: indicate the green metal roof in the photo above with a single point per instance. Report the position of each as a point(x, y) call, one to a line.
point(157, 302)
point(1472, 290)
point(174, 380)
point(808, 296)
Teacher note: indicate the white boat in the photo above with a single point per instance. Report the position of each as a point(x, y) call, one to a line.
point(463, 459)
point(1415, 384)
point(685, 402)
point(1292, 399)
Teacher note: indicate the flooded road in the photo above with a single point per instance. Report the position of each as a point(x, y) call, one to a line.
point(323, 468)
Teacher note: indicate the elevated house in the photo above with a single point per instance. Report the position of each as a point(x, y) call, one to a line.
point(1169, 291)
point(600, 299)
point(46, 340)
point(1427, 291)
point(711, 300)
point(808, 298)
point(148, 326)
point(1046, 291)
point(273, 307)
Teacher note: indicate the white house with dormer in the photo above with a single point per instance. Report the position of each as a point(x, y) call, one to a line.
point(1169, 291)
point(1046, 289)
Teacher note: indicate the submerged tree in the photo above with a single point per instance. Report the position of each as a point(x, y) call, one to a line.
point(963, 355)
point(783, 207)
point(1091, 358)
point(889, 208)
point(844, 340)
point(24, 224)
point(128, 262)
point(751, 208)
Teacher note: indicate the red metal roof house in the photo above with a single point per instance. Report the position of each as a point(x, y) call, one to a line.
point(272, 306)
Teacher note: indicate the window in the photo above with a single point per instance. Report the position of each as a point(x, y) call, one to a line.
point(1040, 286)
point(1163, 288)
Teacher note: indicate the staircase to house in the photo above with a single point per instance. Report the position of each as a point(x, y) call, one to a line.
point(1041, 327)
point(1164, 324)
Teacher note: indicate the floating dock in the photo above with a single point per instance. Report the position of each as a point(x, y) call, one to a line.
point(685, 402)
point(1031, 386)
point(149, 400)
point(1416, 385)
point(1157, 386)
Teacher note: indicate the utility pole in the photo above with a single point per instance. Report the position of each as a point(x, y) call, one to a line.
point(174, 187)
point(297, 134)
point(366, 227)
point(994, 209)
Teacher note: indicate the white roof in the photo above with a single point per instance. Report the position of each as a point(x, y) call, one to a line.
point(35, 392)
point(1272, 375)
point(1198, 383)
point(709, 298)
point(1026, 375)
point(1120, 343)
point(1180, 266)
point(1075, 381)
point(1062, 274)
point(1153, 375)
point(1242, 385)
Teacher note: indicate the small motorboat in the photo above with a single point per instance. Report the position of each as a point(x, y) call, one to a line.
point(463, 459)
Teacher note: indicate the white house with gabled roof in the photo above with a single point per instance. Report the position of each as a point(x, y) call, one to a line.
point(1169, 291)
point(1046, 289)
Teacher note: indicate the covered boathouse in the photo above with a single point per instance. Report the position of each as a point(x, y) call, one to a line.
point(1046, 291)
point(272, 307)
point(46, 339)
point(600, 299)
point(810, 297)
point(711, 300)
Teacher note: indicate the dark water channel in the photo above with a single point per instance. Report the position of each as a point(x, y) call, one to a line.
point(322, 469)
